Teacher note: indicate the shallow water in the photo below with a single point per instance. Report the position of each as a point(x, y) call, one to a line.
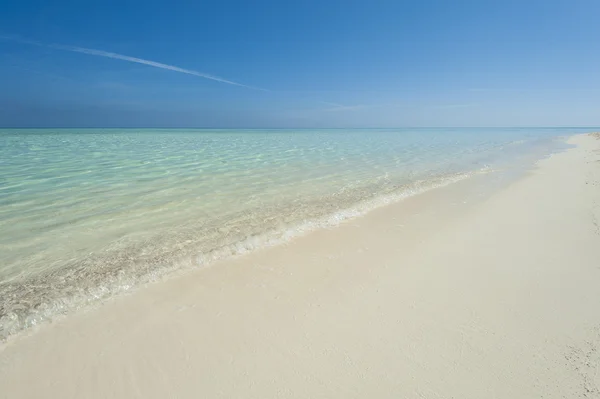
point(88, 213)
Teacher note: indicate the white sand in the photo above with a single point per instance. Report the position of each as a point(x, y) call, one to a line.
point(450, 294)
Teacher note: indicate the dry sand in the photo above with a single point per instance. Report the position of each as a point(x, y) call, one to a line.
point(455, 293)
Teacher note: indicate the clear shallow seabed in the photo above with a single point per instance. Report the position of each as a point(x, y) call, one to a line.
point(88, 213)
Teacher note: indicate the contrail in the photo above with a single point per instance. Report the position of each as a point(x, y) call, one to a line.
point(107, 54)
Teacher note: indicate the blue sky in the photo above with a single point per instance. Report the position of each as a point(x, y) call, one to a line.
point(300, 64)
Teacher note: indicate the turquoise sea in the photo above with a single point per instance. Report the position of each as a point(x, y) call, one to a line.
point(89, 213)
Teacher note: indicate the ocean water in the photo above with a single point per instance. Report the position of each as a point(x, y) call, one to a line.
point(89, 213)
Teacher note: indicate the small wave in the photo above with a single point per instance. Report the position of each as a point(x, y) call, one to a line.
point(273, 238)
point(42, 298)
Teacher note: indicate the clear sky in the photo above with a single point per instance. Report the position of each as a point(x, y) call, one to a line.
point(285, 63)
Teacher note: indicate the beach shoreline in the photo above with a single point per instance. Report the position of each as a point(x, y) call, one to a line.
point(83, 225)
point(469, 290)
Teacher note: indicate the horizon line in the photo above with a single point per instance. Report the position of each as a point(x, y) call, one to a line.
point(303, 128)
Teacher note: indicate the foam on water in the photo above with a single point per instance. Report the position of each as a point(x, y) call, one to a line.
point(85, 215)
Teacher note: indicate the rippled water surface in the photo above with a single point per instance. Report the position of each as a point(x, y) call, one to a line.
point(87, 213)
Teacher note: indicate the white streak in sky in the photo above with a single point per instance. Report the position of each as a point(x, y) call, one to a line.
point(107, 54)
point(334, 107)
point(331, 104)
point(453, 106)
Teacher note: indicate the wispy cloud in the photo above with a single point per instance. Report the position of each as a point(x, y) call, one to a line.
point(494, 90)
point(335, 107)
point(18, 39)
point(453, 106)
point(108, 54)
point(331, 104)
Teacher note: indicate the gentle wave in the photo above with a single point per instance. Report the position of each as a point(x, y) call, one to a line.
point(42, 297)
point(88, 214)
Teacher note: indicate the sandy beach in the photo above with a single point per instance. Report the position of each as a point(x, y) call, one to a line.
point(480, 289)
